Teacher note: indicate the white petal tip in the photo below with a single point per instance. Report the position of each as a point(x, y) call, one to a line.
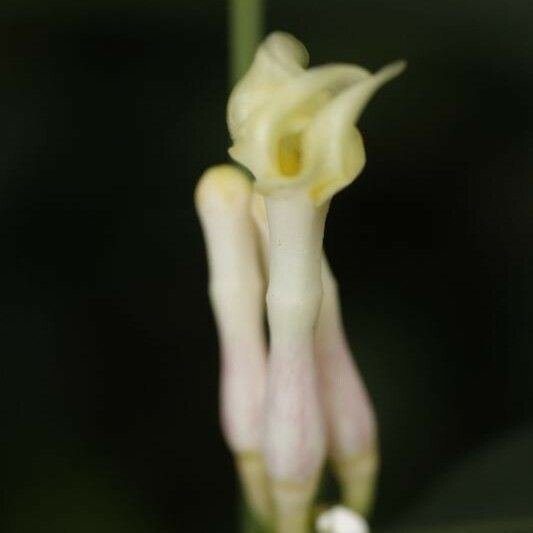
point(392, 70)
point(282, 45)
point(340, 519)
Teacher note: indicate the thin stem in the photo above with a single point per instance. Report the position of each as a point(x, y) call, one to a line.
point(246, 28)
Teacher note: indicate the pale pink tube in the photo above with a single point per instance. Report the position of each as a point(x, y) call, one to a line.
point(350, 418)
point(237, 294)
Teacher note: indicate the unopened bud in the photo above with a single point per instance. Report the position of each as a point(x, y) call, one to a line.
point(350, 418)
point(236, 290)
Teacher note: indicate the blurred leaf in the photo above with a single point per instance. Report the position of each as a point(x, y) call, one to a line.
point(67, 494)
point(520, 526)
point(249, 524)
point(491, 491)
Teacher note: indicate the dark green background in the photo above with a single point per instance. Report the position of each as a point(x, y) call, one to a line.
point(110, 111)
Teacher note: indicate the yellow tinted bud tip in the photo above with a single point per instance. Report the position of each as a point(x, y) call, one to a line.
point(222, 186)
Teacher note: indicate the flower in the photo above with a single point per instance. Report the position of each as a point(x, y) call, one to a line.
point(294, 130)
point(293, 127)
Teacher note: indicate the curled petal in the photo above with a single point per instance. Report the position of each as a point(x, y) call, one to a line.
point(332, 145)
point(295, 128)
point(280, 58)
point(268, 143)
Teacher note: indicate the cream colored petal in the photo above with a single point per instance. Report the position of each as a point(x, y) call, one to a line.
point(285, 54)
point(332, 147)
point(279, 58)
point(288, 112)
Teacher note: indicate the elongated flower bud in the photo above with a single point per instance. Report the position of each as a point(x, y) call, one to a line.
point(350, 417)
point(236, 290)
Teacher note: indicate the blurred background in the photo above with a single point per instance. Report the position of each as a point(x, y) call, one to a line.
point(111, 110)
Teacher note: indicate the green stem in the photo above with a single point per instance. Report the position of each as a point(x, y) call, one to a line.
point(246, 27)
point(249, 523)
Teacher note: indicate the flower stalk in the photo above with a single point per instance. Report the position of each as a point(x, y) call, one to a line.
point(246, 28)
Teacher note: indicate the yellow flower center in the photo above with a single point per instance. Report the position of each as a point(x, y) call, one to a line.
point(290, 154)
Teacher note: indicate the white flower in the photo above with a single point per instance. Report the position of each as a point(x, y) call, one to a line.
point(294, 128)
